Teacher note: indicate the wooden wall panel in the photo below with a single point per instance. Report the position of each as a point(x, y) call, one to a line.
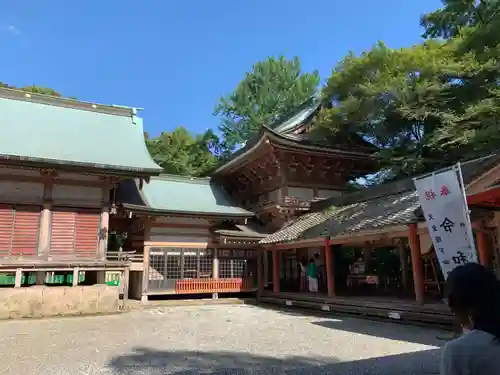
point(77, 196)
point(160, 234)
point(300, 193)
point(21, 192)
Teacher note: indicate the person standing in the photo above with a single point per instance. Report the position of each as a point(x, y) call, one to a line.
point(473, 295)
point(321, 272)
point(312, 276)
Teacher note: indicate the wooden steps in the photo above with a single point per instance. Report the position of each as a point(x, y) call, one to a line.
point(380, 308)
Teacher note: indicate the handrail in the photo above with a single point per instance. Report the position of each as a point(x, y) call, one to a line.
point(130, 256)
point(194, 286)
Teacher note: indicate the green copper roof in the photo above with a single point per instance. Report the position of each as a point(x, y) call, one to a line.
point(175, 194)
point(40, 129)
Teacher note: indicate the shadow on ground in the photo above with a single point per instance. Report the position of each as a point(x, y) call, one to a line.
point(383, 329)
point(151, 361)
point(387, 330)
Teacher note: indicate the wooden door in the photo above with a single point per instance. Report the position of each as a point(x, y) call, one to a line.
point(74, 233)
point(25, 231)
point(87, 234)
point(19, 228)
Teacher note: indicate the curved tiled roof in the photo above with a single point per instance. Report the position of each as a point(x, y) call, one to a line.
point(372, 208)
point(338, 220)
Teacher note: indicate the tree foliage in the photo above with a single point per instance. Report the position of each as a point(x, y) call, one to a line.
point(180, 153)
point(455, 15)
point(33, 89)
point(273, 88)
point(428, 105)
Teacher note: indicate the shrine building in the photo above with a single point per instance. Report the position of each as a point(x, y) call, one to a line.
point(82, 200)
point(60, 160)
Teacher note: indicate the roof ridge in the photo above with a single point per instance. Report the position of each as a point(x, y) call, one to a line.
point(181, 178)
point(311, 104)
point(389, 188)
point(32, 97)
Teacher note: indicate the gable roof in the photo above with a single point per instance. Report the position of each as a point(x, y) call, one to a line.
point(371, 208)
point(167, 194)
point(289, 124)
point(282, 132)
point(252, 230)
point(45, 130)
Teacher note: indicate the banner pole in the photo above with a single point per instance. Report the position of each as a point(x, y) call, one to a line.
point(468, 212)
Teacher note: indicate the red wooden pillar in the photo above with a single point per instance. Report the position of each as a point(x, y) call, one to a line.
point(260, 272)
point(330, 277)
point(276, 271)
point(482, 247)
point(416, 261)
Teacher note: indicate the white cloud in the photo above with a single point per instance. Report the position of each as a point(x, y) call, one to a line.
point(13, 29)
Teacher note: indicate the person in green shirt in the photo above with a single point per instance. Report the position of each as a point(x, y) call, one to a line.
point(312, 276)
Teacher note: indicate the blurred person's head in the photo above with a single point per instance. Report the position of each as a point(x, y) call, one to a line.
point(473, 294)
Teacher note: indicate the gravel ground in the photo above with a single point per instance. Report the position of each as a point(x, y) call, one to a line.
point(215, 339)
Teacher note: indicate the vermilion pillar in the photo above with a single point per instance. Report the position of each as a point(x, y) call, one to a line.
point(416, 261)
point(482, 248)
point(260, 272)
point(330, 277)
point(276, 271)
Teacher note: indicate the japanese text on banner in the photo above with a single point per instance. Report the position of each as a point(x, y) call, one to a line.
point(446, 214)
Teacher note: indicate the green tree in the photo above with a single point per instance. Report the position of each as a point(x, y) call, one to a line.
point(428, 105)
point(33, 89)
point(179, 153)
point(272, 89)
point(396, 100)
point(472, 29)
point(455, 15)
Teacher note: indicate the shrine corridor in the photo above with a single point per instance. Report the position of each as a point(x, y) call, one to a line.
point(216, 339)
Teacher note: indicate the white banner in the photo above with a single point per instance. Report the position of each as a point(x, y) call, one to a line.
point(446, 213)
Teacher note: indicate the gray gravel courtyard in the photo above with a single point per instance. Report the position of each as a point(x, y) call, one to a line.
point(215, 339)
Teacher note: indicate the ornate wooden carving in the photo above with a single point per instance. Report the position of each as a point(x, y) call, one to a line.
point(277, 167)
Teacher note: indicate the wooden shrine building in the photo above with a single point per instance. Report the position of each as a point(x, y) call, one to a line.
point(195, 235)
point(72, 173)
point(385, 219)
point(190, 237)
point(60, 160)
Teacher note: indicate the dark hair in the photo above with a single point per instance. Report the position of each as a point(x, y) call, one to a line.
point(474, 291)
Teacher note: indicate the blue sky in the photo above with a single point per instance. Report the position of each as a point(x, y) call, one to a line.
point(175, 58)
